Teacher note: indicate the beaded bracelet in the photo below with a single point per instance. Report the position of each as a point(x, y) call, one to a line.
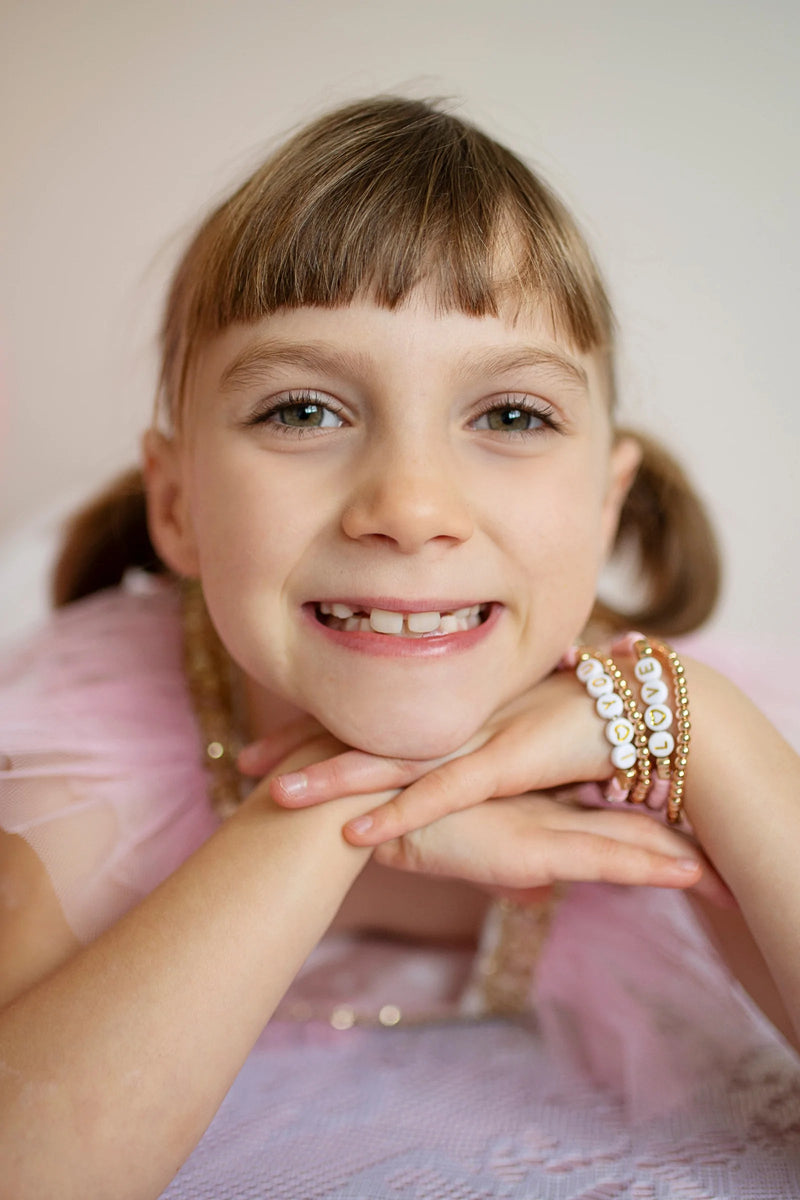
point(683, 735)
point(658, 716)
point(657, 713)
point(625, 727)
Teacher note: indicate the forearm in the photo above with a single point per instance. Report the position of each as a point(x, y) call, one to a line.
point(114, 1065)
point(743, 799)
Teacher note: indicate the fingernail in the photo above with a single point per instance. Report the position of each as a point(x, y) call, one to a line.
point(293, 784)
point(359, 824)
point(687, 864)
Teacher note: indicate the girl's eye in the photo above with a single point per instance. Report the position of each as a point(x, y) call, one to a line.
point(306, 416)
point(517, 418)
point(296, 415)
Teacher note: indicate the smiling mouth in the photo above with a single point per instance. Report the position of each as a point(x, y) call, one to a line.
point(431, 624)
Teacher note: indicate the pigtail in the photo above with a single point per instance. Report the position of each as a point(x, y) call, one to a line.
point(665, 527)
point(103, 540)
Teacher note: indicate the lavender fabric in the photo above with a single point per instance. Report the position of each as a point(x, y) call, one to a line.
point(642, 1070)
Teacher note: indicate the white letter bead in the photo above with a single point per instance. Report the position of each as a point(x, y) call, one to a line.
point(647, 668)
point(610, 706)
point(655, 691)
point(658, 717)
point(661, 745)
point(599, 685)
point(589, 667)
point(619, 731)
point(624, 756)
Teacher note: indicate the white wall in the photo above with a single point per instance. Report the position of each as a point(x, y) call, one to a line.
point(671, 129)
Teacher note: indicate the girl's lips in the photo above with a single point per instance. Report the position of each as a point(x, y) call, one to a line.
point(367, 641)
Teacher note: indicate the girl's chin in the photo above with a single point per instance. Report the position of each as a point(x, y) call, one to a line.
point(423, 739)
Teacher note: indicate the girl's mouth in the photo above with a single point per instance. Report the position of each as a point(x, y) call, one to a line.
point(398, 624)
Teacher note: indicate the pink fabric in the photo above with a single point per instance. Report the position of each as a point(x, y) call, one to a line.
point(642, 1071)
point(107, 782)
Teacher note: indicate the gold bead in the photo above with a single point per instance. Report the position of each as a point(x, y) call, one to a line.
point(390, 1015)
point(215, 750)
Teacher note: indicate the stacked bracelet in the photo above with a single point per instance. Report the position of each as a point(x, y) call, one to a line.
point(625, 727)
point(683, 732)
point(637, 735)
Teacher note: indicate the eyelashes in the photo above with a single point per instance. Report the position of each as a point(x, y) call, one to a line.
point(520, 415)
point(304, 412)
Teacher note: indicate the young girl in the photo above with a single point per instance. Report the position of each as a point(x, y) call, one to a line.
point(383, 479)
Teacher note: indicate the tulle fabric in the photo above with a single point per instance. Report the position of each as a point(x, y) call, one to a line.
point(641, 1071)
point(104, 774)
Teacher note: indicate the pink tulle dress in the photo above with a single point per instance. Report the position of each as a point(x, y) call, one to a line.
point(642, 1071)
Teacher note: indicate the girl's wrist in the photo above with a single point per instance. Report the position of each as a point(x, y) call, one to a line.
point(322, 821)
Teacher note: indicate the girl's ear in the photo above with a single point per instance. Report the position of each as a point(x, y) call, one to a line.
point(168, 516)
point(626, 457)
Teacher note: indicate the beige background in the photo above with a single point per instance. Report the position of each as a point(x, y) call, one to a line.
point(671, 129)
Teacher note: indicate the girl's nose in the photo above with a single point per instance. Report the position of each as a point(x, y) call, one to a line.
point(407, 504)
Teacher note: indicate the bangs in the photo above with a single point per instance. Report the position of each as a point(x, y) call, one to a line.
point(374, 200)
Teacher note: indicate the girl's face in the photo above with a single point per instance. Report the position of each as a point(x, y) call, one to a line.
point(345, 471)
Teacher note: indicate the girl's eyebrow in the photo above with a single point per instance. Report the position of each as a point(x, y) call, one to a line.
point(515, 358)
point(248, 366)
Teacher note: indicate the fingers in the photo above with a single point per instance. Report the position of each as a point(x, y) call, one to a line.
point(547, 737)
point(636, 828)
point(538, 861)
point(533, 841)
point(594, 858)
point(550, 742)
point(350, 774)
point(357, 773)
point(448, 788)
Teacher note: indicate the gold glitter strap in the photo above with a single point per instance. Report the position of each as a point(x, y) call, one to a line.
point(209, 674)
point(513, 940)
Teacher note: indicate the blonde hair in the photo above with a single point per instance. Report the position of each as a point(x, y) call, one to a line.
point(373, 200)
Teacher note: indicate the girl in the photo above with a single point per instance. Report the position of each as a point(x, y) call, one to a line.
point(382, 482)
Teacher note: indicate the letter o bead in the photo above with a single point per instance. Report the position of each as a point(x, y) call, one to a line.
point(599, 685)
point(587, 669)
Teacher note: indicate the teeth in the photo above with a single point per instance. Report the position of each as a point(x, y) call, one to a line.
point(423, 622)
point(399, 624)
point(342, 611)
point(385, 622)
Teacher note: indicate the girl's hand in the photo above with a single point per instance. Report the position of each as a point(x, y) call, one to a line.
point(547, 737)
point(515, 846)
point(512, 846)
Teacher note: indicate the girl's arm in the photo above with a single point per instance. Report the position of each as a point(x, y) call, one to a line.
point(743, 798)
point(114, 1064)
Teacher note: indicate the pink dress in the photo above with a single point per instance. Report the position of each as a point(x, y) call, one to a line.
point(642, 1071)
